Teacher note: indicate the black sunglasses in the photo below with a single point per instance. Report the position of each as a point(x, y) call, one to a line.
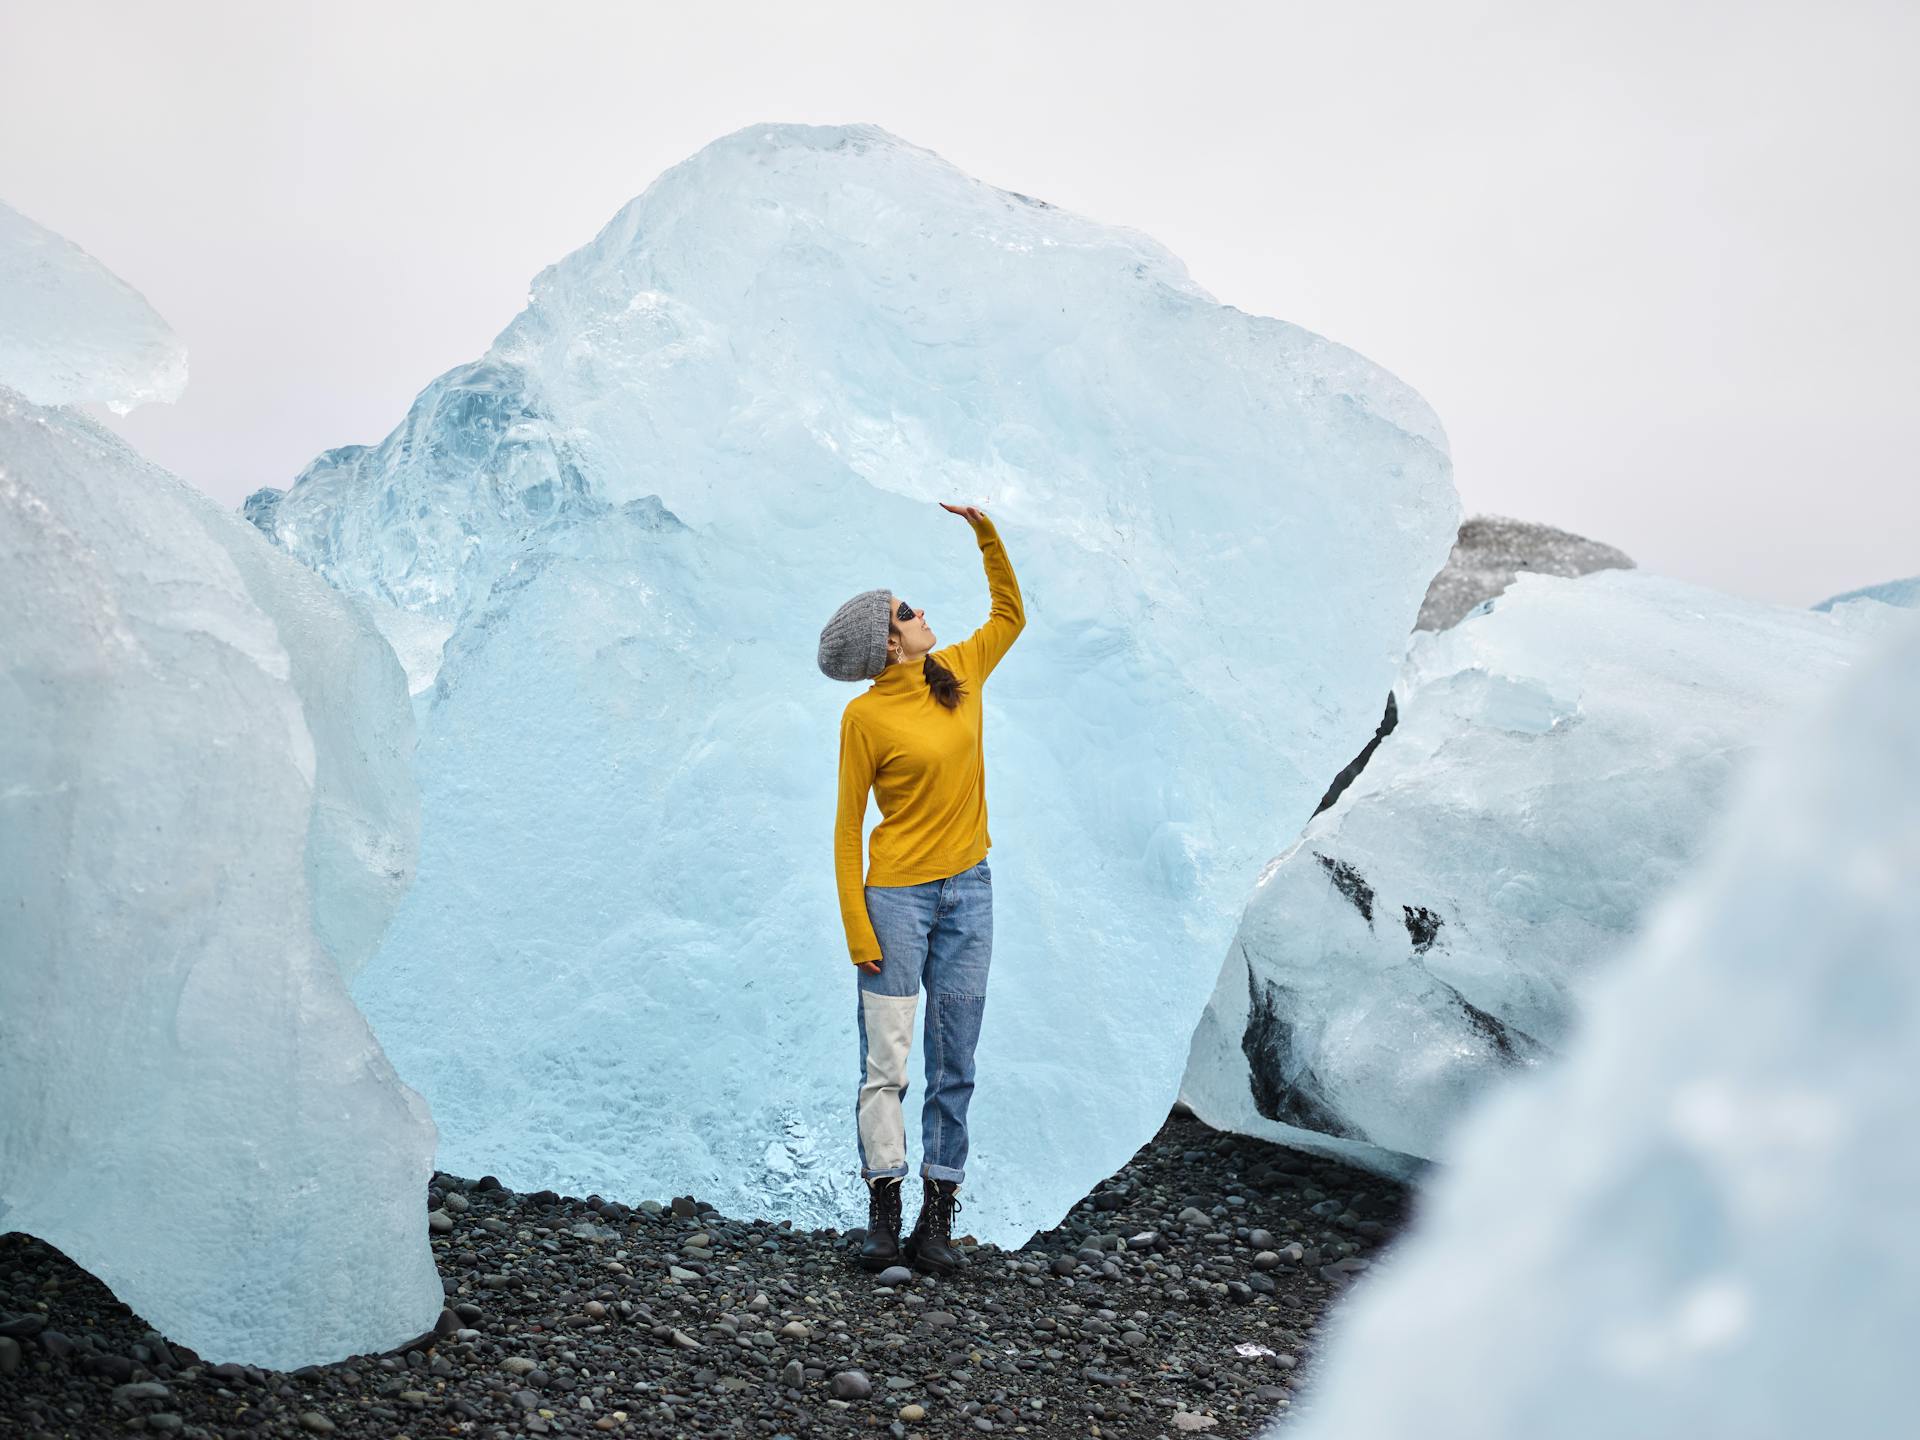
point(905, 612)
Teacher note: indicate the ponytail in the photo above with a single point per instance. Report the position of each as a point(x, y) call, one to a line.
point(944, 684)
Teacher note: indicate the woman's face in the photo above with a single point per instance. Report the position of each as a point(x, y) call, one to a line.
point(909, 637)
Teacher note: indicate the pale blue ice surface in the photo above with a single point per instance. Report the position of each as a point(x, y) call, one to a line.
point(1904, 593)
point(1700, 1220)
point(622, 969)
point(1559, 758)
point(206, 819)
point(71, 331)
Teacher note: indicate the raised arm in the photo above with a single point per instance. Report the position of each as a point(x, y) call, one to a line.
point(981, 651)
point(856, 780)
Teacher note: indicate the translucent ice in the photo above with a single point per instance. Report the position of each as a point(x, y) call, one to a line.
point(1557, 760)
point(1490, 551)
point(205, 820)
point(1890, 592)
point(623, 968)
point(72, 331)
point(1699, 1220)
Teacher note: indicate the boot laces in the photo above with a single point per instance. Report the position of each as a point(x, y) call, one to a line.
point(946, 1204)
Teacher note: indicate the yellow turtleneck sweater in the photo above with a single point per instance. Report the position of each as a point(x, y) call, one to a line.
point(924, 762)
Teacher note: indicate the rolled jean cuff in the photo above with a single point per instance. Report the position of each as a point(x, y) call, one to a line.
point(943, 1172)
point(900, 1170)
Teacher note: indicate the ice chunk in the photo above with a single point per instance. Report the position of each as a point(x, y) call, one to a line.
point(1556, 762)
point(364, 838)
point(1488, 553)
point(262, 508)
point(1698, 1220)
point(622, 968)
point(72, 331)
point(1904, 593)
point(1492, 549)
point(417, 639)
point(203, 791)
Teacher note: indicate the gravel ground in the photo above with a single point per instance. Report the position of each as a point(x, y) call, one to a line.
point(1183, 1296)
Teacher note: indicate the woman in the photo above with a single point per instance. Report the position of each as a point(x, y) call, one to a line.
point(925, 912)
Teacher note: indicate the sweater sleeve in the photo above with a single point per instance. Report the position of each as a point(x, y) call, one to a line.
point(856, 781)
point(981, 651)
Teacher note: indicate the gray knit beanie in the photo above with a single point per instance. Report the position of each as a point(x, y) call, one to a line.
point(854, 644)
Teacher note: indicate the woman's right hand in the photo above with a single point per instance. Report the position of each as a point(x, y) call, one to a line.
point(872, 967)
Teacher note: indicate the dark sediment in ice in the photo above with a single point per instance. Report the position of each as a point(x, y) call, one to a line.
point(1492, 549)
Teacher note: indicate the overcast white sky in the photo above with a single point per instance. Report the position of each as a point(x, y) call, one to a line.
point(1653, 264)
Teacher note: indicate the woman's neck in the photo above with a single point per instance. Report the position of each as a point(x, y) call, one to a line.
point(901, 672)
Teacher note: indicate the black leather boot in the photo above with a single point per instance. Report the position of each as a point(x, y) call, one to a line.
point(930, 1246)
point(881, 1248)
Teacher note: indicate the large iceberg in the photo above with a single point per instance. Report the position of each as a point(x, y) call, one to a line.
point(622, 968)
point(1699, 1220)
point(1557, 760)
point(74, 331)
point(206, 818)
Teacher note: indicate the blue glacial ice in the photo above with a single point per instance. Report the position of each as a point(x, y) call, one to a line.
point(74, 331)
point(622, 968)
point(1558, 758)
point(1904, 593)
point(206, 819)
point(1699, 1220)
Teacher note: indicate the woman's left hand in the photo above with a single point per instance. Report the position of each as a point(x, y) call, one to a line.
point(973, 513)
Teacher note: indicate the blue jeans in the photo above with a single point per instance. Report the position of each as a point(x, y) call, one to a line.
point(939, 932)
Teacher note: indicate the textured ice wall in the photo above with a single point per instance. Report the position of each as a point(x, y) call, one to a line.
point(1699, 1221)
point(206, 818)
point(1557, 761)
point(622, 968)
point(363, 838)
point(195, 734)
point(1488, 553)
point(72, 331)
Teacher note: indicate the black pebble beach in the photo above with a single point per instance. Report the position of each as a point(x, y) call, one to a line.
point(1183, 1296)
